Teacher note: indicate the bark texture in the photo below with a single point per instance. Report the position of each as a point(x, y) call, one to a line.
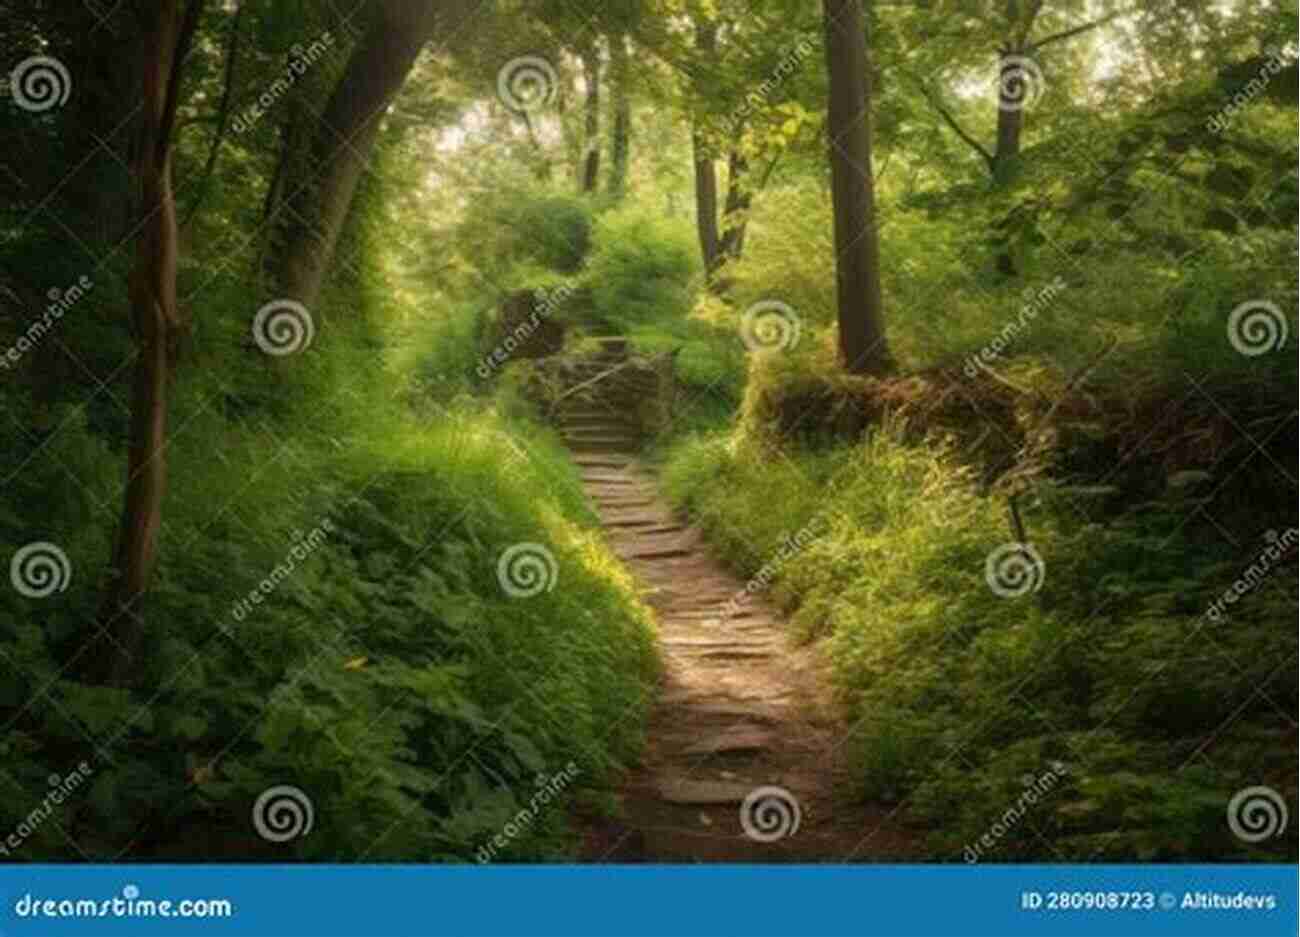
point(857, 263)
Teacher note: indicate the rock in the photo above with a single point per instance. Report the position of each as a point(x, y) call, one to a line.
point(739, 740)
point(702, 793)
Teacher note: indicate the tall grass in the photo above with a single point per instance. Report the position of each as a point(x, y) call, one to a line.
point(953, 692)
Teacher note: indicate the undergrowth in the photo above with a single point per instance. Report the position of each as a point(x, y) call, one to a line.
point(1113, 670)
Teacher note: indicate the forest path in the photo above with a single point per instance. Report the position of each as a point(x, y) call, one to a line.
point(744, 725)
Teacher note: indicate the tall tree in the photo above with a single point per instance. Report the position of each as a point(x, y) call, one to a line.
point(857, 261)
point(345, 136)
point(590, 56)
point(157, 326)
point(1011, 25)
point(736, 209)
point(620, 77)
point(706, 177)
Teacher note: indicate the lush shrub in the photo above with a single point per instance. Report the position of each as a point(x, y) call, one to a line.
point(505, 227)
point(1112, 669)
point(641, 269)
point(389, 676)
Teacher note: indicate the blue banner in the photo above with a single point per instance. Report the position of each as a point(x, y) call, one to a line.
point(648, 901)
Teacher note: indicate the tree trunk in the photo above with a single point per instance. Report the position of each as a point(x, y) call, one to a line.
point(157, 325)
point(591, 80)
point(857, 263)
point(343, 140)
point(706, 205)
point(1006, 153)
point(619, 72)
point(1010, 117)
point(739, 197)
point(706, 177)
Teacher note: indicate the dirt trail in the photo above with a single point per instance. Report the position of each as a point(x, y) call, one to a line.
point(740, 708)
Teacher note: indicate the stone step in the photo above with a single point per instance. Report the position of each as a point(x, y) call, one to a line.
point(599, 435)
point(730, 654)
point(599, 482)
point(758, 715)
point(652, 553)
point(735, 742)
point(617, 447)
point(702, 793)
point(600, 462)
point(716, 643)
point(659, 528)
point(598, 422)
point(623, 502)
point(635, 525)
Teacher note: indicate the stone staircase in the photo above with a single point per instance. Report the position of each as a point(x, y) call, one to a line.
point(739, 709)
point(610, 400)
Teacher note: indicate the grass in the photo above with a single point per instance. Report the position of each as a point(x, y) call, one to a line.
point(956, 693)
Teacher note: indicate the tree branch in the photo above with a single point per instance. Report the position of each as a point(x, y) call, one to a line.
point(952, 122)
point(1072, 31)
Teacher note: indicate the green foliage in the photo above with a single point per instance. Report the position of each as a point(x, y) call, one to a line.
point(954, 692)
point(387, 674)
point(367, 677)
point(510, 227)
point(641, 270)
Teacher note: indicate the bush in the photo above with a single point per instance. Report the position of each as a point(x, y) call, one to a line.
point(641, 269)
point(367, 677)
point(507, 227)
point(1112, 669)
